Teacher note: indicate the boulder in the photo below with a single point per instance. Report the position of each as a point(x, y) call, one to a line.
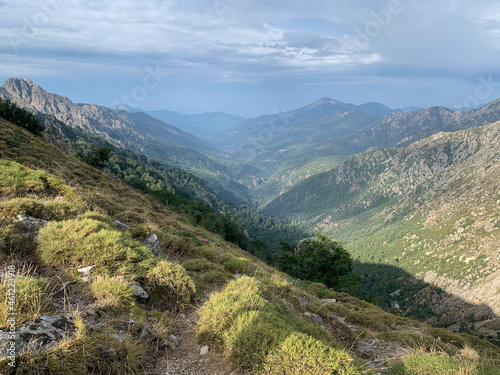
point(153, 244)
point(40, 335)
point(204, 350)
point(318, 319)
point(139, 292)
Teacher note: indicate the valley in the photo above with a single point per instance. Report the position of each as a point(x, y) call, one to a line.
point(414, 197)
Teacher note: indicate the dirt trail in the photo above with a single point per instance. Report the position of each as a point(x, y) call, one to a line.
point(186, 358)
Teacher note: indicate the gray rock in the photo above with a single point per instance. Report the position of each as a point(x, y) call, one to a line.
point(175, 340)
point(111, 353)
point(120, 337)
point(146, 333)
point(318, 319)
point(204, 350)
point(329, 300)
point(139, 292)
point(30, 222)
point(86, 271)
point(120, 224)
point(303, 300)
point(153, 244)
point(38, 336)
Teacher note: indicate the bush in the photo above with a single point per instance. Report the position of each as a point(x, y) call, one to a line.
point(321, 291)
point(239, 265)
point(200, 265)
point(83, 242)
point(40, 209)
point(113, 292)
point(205, 252)
point(170, 285)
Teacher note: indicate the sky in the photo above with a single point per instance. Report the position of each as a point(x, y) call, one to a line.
point(251, 57)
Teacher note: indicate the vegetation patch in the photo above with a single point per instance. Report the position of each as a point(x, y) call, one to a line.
point(113, 292)
point(170, 285)
point(239, 265)
point(84, 242)
point(250, 324)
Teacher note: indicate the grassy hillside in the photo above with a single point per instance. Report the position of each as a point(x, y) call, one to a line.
point(431, 208)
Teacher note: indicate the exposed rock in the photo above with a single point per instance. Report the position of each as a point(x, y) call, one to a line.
point(139, 292)
point(329, 300)
point(111, 353)
point(175, 340)
point(86, 271)
point(318, 319)
point(204, 350)
point(120, 224)
point(153, 244)
point(120, 337)
point(303, 300)
point(30, 222)
point(146, 333)
point(41, 335)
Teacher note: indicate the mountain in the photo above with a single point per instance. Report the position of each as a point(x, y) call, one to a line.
point(377, 108)
point(124, 284)
point(135, 131)
point(431, 208)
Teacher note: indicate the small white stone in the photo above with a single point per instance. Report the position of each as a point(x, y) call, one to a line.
point(204, 350)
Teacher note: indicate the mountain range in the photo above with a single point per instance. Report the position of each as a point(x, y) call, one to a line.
point(415, 190)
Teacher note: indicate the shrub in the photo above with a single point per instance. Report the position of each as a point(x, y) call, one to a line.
point(82, 242)
point(16, 180)
point(40, 209)
point(239, 265)
point(170, 285)
point(114, 292)
point(32, 296)
point(301, 354)
point(205, 252)
point(20, 117)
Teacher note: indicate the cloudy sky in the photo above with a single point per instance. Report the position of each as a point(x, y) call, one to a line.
point(250, 57)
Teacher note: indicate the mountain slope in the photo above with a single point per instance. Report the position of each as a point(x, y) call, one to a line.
point(135, 131)
point(431, 208)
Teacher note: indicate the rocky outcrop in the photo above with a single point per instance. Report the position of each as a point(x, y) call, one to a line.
point(38, 336)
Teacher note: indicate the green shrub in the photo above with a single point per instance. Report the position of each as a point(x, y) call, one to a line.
point(11, 242)
point(170, 285)
point(114, 292)
point(83, 242)
point(216, 276)
point(239, 265)
point(301, 354)
point(16, 180)
point(200, 265)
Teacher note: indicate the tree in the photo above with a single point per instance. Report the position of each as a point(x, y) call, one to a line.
point(320, 260)
point(20, 117)
point(97, 158)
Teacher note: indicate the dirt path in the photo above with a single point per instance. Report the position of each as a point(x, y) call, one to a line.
point(186, 358)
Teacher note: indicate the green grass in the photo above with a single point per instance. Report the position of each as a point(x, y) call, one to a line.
point(32, 296)
point(85, 354)
point(239, 265)
point(170, 285)
point(442, 364)
point(82, 242)
point(250, 324)
point(113, 292)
